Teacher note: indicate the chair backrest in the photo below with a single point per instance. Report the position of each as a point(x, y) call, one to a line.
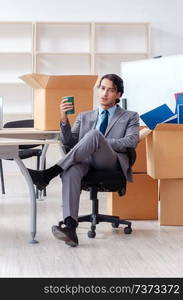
point(1, 112)
point(29, 123)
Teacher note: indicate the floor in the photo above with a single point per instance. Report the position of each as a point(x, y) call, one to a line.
point(150, 251)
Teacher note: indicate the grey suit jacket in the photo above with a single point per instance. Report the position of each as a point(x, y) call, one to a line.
point(122, 132)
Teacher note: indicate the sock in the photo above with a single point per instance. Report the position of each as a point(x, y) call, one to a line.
point(42, 178)
point(70, 222)
point(52, 172)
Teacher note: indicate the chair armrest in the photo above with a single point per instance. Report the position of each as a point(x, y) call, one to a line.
point(131, 152)
point(65, 148)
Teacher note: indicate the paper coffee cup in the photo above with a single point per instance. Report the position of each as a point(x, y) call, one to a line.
point(69, 99)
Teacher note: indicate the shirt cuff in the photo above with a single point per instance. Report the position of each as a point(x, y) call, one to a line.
point(63, 124)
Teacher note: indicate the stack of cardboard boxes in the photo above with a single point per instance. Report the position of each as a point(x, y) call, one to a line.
point(141, 199)
point(165, 162)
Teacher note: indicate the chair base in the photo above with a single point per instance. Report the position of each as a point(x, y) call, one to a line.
point(97, 218)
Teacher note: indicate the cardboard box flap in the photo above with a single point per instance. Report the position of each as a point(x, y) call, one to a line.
point(167, 127)
point(58, 81)
point(72, 81)
point(36, 80)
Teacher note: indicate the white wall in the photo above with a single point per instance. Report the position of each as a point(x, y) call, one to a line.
point(164, 15)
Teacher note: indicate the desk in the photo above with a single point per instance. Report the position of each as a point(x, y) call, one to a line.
point(31, 133)
point(10, 139)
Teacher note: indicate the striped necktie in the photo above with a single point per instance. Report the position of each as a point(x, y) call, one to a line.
point(104, 122)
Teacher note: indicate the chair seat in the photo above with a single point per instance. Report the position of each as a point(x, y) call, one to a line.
point(27, 153)
point(104, 181)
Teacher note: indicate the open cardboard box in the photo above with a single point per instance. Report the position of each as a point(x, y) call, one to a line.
point(48, 91)
point(164, 147)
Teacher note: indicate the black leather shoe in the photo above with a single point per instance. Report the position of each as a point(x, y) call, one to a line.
point(39, 178)
point(66, 234)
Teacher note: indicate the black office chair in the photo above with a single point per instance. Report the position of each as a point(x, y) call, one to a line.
point(105, 181)
point(25, 151)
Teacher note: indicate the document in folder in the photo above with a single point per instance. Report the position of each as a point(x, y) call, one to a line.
point(157, 115)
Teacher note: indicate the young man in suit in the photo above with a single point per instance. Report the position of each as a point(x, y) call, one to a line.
point(98, 139)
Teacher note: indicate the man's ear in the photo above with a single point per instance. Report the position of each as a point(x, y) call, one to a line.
point(119, 94)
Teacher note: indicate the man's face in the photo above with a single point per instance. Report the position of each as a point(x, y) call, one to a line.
point(108, 94)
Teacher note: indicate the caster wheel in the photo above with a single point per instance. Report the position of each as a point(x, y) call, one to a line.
point(127, 230)
point(91, 234)
point(115, 225)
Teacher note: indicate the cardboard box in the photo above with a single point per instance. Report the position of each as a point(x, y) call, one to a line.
point(140, 201)
point(164, 146)
point(48, 91)
point(171, 202)
point(140, 164)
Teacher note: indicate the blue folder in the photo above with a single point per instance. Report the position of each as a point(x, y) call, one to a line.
point(157, 115)
point(180, 114)
point(179, 101)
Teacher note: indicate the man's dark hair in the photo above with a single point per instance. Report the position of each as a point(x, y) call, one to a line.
point(117, 82)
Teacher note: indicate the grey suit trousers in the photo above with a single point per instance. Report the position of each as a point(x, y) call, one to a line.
point(93, 151)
